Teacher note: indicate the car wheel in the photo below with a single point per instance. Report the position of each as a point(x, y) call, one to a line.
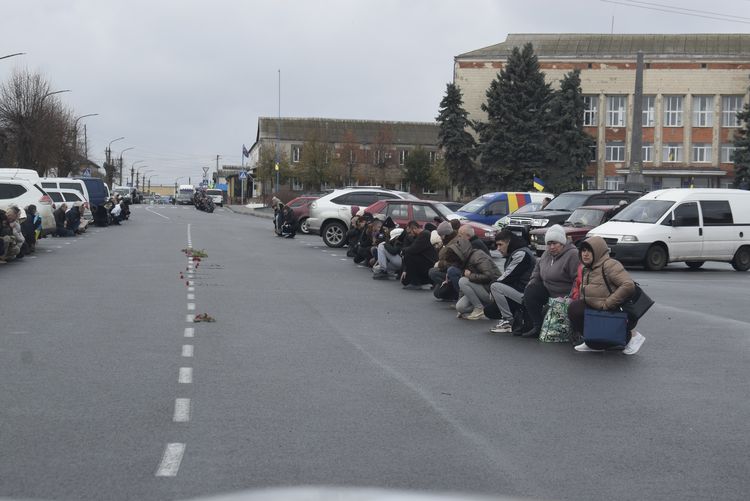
point(656, 258)
point(694, 265)
point(741, 261)
point(303, 227)
point(334, 234)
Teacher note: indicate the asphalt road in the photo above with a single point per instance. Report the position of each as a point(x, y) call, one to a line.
point(314, 374)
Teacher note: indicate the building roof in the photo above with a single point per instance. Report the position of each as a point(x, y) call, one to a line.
point(334, 130)
point(569, 45)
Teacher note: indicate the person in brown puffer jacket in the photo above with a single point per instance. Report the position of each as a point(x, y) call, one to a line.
point(594, 293)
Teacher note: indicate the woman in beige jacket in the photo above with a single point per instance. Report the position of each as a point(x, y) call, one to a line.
point(600, 295)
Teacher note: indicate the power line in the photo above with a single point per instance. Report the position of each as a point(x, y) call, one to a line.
point(677, 10)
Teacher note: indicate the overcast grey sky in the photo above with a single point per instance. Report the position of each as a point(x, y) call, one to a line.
point(186, 80)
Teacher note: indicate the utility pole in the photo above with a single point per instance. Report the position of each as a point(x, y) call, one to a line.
point(634, 180)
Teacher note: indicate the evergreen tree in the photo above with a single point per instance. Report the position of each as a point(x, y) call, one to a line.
point(570, 145)
point(742, 153)
point(513, 141)
point(417, 168)
point(458, 145)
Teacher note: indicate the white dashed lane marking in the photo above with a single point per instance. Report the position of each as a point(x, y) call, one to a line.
point(186, 375)
point(170, 461)
point(187, 350)
point(191, 296)
point(189, 331)
point(189, 318)
point(191, 306)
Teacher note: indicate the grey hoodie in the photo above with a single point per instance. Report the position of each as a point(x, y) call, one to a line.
point(557, 274)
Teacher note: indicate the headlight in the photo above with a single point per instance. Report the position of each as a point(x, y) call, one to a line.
point(314, 205)
point(489, 235)
point(541, 223)
point(629, 238)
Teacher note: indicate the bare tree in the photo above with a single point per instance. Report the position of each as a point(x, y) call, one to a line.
point(37, 127)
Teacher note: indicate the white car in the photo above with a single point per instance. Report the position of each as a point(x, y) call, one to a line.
point(330, 214)
point(217, 196)
point(22, 193)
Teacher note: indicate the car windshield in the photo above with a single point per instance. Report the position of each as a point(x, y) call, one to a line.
point(644, 211)
point(475, 205)
point(567, 201)
point(444, 211)
point(585, 217)
point(213, 192)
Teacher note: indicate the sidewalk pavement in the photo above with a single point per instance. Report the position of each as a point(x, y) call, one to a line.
point(264, 212)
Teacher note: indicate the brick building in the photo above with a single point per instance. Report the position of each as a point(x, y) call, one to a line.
point(373, 152)
point(693, 85)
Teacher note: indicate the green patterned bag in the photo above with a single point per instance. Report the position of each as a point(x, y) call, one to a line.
point(556, 326)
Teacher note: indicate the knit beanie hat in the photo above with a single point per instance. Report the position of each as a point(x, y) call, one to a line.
point(444, 229)
point(555, 233)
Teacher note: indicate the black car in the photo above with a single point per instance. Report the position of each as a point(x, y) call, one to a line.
point(563, 205)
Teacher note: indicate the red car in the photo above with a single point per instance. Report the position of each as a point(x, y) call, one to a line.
point(427, 211)
point(578, 224)
point(301, 208)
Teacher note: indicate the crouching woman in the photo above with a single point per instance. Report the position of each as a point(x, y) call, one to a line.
point(605, 285)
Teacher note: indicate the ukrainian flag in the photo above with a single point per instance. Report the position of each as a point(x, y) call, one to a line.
point(538, 184)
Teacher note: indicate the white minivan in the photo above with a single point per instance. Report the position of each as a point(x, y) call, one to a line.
point(690, 225)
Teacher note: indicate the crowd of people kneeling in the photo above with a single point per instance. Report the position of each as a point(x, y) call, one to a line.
point(21, 229)
point(447, 258)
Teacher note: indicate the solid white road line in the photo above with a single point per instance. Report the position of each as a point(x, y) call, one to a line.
point(170, 461)
point(191, 306)
point(186, 375)
point(153, 212)
point(181, 410)
point(187, 350)
point(189, 331)
point(191, 296)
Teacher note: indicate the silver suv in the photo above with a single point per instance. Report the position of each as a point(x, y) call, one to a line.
point(330, 214)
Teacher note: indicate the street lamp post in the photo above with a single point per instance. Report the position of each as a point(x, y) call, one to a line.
point(12, 55)
point(138, 176)
point(149, 182)
point(120, 162)
point(75, 132)
point(143, 177)
point(176, 185)
point(132, 171)
point(108, 159)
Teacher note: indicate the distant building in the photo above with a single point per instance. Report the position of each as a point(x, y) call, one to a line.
point(358, 152)
point(693, 86)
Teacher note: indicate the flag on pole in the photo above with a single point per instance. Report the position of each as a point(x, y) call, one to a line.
point(245, 151)
point(538, 184)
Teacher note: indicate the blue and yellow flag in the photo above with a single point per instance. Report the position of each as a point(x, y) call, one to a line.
point(538, 184)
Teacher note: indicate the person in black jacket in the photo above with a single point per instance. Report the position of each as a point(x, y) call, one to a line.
point(507, 291)
point(60, 229)
point(417, 257)
point(73, 219)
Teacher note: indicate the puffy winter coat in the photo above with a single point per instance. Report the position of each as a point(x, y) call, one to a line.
point(557, 273)
point(594, 289)
point(482, 267)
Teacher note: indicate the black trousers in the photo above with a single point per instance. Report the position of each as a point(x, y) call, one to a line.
point(535, 297)
point(417, 270)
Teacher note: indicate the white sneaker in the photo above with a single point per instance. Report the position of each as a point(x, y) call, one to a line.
point(476, 314)
point(585, 347)
point(636, 341)
point(502, 326)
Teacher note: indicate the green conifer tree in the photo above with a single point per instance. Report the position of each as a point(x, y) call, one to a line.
point(742, 153)
point(570, 145)
point(513, 142)
point(458, 145)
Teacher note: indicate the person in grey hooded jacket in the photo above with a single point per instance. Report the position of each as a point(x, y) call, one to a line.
point(479, 272)
point(553, 276)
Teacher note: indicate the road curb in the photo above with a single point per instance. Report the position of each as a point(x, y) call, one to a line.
point(249, 212)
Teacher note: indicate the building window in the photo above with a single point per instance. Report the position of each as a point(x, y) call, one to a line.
point(647, 152)
point(590, 111)
point(673, 111)
point(615, 152)
point(730, 105)
point(614, 183)
point(296, 153)
point(616, 111)
point(727, 153)
point(672, 152)
point(703, 111)
point(296, 184)
point(429, 191)
point(594, 153)
point(647, 111)
point(402, 156)
point(701, 152)
point(433, 156)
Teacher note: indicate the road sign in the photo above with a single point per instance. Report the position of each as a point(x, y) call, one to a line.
point(205, 171)
point(243, 174)
point(86, 172)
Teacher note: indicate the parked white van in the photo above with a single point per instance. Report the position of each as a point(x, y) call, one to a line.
point(682, 225)
point(65, 183)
